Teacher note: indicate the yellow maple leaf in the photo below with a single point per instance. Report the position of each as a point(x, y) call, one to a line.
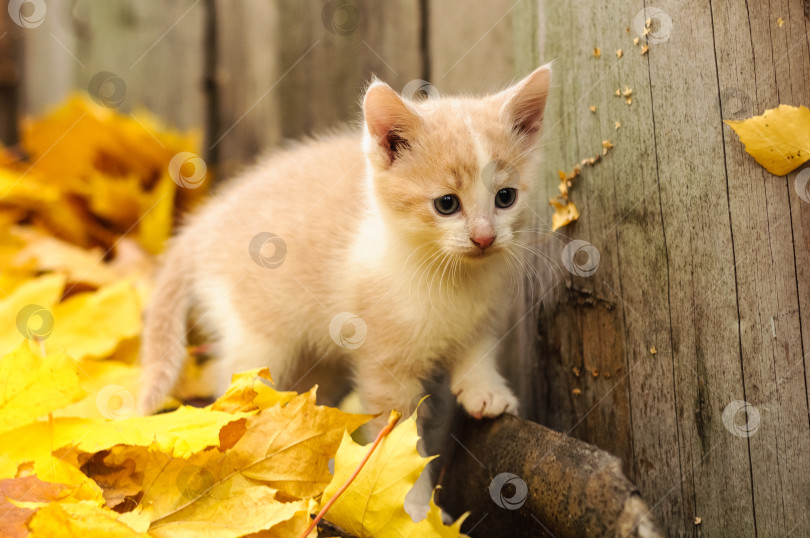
point(373, 505)
point(180, 433)
point(248, 392)
point(109, 385)
point(17, 496)
point(33, 386)
point(79, 519)
point(564, 213)
point(92, 324)
point(18, 317)
point(779, 139)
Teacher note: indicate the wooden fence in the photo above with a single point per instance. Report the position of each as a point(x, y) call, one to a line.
point(684, 351)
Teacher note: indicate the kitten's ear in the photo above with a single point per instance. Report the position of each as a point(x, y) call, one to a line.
point(389, 120)
point(524, 103)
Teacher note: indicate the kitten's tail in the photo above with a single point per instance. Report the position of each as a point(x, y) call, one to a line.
point(163, 344)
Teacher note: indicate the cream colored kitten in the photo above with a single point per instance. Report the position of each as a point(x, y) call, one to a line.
point(385, 252)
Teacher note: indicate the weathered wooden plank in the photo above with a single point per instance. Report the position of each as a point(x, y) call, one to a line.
point(10, 41)
point(247, 75)
point(586, 349)
point(756, 71)
point(156, 49)
point(48, 67)
point(329, 52)
point(700, 263)
point(470, 45)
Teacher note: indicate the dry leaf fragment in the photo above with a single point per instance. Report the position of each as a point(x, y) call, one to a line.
point(575, 370)
point(564, 213)
point(592, 109)
point(635, 41)
point(698, 520)
point(628, 100)
point(644, 49)
point(653, 351)
point(576, 392)
point(618, 92)
point(606, 145)
point(595, 372)
point(619, 53)
point(628, 91)
point(597, 52)
point(616, 125)
point(780, 22)
point(779, 139)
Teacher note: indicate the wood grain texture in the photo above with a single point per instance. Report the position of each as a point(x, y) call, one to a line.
point(471, 45)
point(704, 255)
point(247, 77)
point(10, 42)
point(330, 51)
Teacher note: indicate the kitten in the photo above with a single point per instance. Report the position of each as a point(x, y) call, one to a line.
point(388, 253)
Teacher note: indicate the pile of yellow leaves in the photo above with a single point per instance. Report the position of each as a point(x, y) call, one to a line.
point(85, 203)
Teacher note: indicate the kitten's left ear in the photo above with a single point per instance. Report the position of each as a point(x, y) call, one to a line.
point(389, 120)
point(525, 102)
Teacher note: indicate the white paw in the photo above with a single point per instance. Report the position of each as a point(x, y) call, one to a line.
point(487, 401)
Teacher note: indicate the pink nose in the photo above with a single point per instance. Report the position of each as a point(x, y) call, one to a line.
point(483, 241)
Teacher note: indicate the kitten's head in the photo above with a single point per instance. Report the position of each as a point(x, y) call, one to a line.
point(456, 174)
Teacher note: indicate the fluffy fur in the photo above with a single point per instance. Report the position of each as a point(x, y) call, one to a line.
point(356, 212)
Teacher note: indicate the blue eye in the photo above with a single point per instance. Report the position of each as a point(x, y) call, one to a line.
point(447, 204)
point(505, 198)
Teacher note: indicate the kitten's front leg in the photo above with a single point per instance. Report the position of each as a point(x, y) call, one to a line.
point(382, 387)
point(478, 386)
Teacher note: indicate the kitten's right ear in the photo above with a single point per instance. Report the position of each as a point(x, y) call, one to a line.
point(389, 120)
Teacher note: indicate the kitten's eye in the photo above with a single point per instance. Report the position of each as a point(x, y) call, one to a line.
point(447, 204)
point(505, 198)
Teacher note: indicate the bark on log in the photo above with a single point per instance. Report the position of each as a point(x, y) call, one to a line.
point(571, 488)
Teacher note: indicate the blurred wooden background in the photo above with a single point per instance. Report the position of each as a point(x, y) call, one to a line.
point(701, 297)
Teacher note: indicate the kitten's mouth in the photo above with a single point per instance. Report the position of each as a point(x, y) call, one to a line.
point(478, 254)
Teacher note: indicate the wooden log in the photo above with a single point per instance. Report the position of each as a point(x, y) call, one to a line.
point(518, 478)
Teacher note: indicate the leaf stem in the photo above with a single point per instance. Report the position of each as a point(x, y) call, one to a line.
point(392, 421)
